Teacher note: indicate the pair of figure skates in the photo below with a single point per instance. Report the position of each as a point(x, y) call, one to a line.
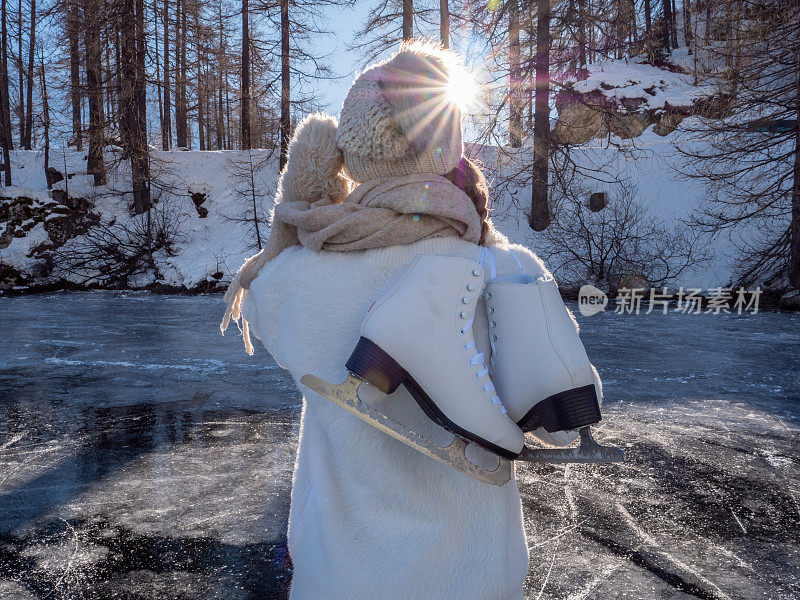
point(419, 334)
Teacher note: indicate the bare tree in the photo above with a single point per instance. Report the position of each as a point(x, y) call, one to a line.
point(539, 217)
point(29, 109)
point(408, 19)
point(95, 165)
point(245, 142)
point(622, 240)
point(73, 26)
point(249, 175)
point(514, 77)
point(444, 23)
point(286, 117)
point(5, 112)
point(747, 147)
point(166, 121)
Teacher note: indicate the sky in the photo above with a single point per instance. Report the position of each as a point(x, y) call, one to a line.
point(344, 22)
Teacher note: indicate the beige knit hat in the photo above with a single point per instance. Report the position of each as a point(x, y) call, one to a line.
point(397, 118)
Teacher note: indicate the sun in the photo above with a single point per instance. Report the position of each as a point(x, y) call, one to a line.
point(462, 88)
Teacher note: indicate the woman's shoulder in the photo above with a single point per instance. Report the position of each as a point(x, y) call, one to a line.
point(510, 257)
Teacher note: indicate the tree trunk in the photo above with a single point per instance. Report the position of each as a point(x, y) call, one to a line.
point(582, 33)
point(115, 90)
point(166, 123)
point(21, 74)
point(514, 93)
point(408, 19)
point(648, 16)
point(46, 123)
point(158, 68)
point(229, 145)
point(127, 75)
point(200, 79)
point(29, 102)
point(540, 211)
point(181, 117)
point(444, 22)
point(590, 24)
point(5, 137)
point(286, 119)
point(75, 74)
point(667, 26)
point(674, 25)
point(245, 141)
point(140, 159)
point(687, 25)
point(794, 262)
point(221, 66)
point(94, 164)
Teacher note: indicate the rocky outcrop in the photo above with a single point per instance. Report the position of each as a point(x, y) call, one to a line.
point(59, 219)
point(582, 117)
point(627, 97)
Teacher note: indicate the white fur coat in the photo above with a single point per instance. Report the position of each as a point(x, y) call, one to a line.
point(370, 517)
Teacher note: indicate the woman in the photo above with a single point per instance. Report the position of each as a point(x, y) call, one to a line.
point(357, 202)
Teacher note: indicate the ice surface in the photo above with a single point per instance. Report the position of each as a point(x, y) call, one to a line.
point(144, 456)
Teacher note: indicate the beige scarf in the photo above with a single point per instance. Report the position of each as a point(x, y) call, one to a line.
point(376, 214)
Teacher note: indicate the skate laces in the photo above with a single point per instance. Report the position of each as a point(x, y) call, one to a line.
point(477, 360)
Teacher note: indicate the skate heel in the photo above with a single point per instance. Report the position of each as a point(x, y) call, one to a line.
point(564, 411)
point(374, 366)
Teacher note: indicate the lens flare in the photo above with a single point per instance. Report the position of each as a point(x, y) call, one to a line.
point(462, 88)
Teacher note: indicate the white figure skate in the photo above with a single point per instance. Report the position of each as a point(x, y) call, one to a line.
point(419, 334)
point(540, 366)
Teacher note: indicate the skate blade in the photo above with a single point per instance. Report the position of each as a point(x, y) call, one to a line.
point(346, 395)
point(589, 451)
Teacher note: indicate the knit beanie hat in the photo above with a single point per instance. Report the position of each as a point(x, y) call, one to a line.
point(397, 118)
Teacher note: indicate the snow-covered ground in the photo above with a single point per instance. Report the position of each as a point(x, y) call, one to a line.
point(144, 456)
point(215, 243)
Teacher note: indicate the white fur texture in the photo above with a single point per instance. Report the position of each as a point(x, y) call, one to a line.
point(370, 517)
point(314, 165)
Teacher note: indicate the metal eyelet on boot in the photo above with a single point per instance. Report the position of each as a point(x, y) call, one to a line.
point(464, 314)
point(476, 272)
point(471, 287)
point(465, 299)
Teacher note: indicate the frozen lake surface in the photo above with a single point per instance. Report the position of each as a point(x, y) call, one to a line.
point(144, 456)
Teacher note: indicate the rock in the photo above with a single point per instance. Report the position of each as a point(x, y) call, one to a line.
point(199, 198)
point(791, 300)
point(577, 124)
point(10, 277)
point(668, 123)
point(53, 175)
point(629, 125)
point(633, 281)
point(60, 229)
point(631, 104)
point(598, 201)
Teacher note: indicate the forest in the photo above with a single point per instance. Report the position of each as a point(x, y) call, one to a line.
point(122, 82)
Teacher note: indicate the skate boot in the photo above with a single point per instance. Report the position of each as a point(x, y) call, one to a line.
point(539, 364)
point(419, 334)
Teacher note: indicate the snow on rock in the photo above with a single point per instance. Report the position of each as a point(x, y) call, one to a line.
point(625, 97)
point(635, 85)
